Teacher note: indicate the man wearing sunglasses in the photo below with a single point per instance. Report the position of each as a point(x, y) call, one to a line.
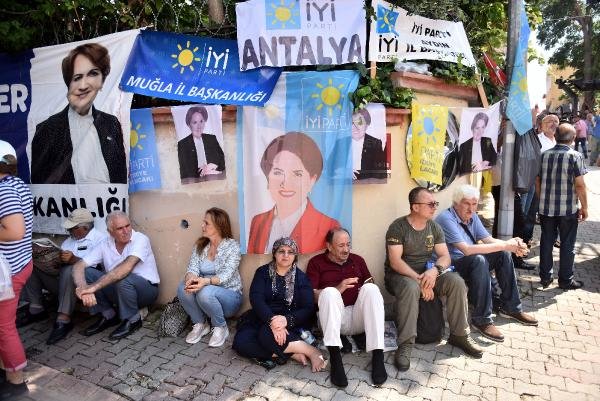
point(475, 253)
point(417, 266)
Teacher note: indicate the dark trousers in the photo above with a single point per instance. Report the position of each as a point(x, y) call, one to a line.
point(567, 229)
point(583, 143)
point(252, 341)
point(475, 270)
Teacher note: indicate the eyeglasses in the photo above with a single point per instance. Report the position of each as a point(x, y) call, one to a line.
point(430, 204)
point(285, 252)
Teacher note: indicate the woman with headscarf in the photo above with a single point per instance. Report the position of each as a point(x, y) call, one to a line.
point(282, 304)
point(16, 217)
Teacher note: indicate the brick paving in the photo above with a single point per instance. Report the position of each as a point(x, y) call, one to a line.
point(558, 360)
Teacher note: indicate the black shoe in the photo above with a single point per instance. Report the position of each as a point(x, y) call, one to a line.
point(265, 363)
point(125, 328)
point(361, 341)
point(29, 318)
point(100, 325)
point(346, 344)
point(524, 266)
point(573, 285)
point(59, 331)
point(557, 244)
point(10, 391)
point(337, 373)
point(378, 372)
point(546, 283)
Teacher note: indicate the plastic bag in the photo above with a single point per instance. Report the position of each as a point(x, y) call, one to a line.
point(528, 157)
point(6, 288)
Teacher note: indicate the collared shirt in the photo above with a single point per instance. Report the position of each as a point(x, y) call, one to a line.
point(547, 143)
point(226, 264)
point(323, 272)
point(87, 160)
point(81, 247)
point(455, 233)
point(560, 165)
point(139, 246)
point(581, 129)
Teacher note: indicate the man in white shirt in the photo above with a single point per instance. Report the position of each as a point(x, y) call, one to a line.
point(130, 280)
point(82, 238)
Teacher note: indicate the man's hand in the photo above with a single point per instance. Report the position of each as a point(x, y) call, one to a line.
point(428, 279)
point(86, 294)
point(427, 294)
point(88, 300)
point(347, 283)
point(583, 213)
point(65, 256)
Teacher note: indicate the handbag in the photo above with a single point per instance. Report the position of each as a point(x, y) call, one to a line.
point(173, 319)
point(6, 288)
point(430, 323)
point(46, 256)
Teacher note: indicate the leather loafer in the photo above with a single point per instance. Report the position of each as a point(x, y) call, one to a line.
point(59, 331)
point(100, 325)
point(29, 318)
point(490, 331)
point(572, 285)
point(125, 328)
point(546, 283)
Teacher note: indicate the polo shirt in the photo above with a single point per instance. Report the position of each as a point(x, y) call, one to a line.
point(454, 233)
point(81, 247)
point(558, 170)
point(546, 142)
point(139, 246)
point(323, 272)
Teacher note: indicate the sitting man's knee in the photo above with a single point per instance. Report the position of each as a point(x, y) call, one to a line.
point(329, 293)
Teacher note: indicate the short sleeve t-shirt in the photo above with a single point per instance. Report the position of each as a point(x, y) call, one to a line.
point(417, 245)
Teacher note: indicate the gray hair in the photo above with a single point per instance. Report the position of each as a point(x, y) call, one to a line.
point(565, 133)
point(465, 191)
point(113, 215)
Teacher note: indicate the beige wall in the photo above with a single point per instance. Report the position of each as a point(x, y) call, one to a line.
point(159, 213)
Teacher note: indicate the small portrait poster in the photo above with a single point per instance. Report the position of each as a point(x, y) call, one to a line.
point(478, 139)
point(370, 159)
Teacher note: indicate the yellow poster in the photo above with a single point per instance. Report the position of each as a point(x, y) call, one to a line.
point(429, 125)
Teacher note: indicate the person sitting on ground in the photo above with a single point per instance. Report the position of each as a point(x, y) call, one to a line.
point(282, 305)
point(349, 303)
point(474, 254)
point(129, 280)
point(212, 287)
point(411, 242)
point(83, 237)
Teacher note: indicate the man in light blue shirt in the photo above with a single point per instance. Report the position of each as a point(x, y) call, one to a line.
point(474, 253)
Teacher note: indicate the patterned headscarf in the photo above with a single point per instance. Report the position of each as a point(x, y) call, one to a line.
point(290, 276)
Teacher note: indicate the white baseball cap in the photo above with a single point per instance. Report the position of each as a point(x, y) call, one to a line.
point(77, 217)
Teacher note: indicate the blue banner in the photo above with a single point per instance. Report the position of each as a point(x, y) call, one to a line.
point(518, 109)
point(144, 168)
point(15, 102)
point(295, 162)
point(194, 69)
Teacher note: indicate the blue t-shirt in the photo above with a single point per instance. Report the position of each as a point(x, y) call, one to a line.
point(596, 131)
point(454, 233)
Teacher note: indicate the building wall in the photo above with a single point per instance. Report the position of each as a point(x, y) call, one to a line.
point(161, 214)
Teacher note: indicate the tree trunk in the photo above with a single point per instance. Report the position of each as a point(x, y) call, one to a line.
point(216, 11)
point(587, 30)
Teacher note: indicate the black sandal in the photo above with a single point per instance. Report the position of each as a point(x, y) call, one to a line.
point(265, 363)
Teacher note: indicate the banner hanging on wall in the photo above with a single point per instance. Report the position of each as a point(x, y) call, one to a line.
point(294, 161)
point(194, 69)
point(292, 33)
point(478, 139)
point(144, 167)
point(397, 35)
point(69, 122)
point(429, 125)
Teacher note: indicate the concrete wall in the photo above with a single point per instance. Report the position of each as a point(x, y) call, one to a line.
point(159, 214)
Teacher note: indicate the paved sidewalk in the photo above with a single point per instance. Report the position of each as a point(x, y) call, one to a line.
point(559, 360)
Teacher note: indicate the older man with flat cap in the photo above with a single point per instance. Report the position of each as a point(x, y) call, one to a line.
point(82, 238)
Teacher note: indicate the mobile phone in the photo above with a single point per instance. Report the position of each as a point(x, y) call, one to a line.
point(369, 280)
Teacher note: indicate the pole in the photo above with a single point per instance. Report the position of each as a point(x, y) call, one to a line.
point(507, 194)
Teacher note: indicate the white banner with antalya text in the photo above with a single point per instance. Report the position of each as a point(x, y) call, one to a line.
point(53, 203)
point(397, 35)
point(290, 33)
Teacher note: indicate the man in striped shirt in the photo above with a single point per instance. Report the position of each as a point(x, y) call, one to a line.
point(560, 186)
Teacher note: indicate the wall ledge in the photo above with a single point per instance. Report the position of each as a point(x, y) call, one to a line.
point(434, 86)
point(395, 116)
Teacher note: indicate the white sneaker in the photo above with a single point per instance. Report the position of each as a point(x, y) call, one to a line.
point(199, 330)
point(219, 336)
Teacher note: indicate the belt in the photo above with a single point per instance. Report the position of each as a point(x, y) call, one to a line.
point(153, 284)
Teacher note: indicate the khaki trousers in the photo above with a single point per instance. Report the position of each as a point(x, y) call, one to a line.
point(366, 315)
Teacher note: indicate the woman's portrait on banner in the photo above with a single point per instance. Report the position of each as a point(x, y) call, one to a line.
point(478, 139)
point(80, 144)
point(369, 142)
point(200, 143)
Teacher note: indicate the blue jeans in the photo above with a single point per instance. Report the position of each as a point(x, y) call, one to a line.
point(211, 301)
point(475, 270)
point(129, 294)
point(567, 229)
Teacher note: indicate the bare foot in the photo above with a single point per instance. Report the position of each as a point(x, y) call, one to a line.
point(300, 358)
point(317, 362)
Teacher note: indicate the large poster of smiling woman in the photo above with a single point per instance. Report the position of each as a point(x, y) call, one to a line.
point(295, 178)
point(478, 139)
point(72, 124)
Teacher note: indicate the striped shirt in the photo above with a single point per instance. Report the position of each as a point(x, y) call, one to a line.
point(559, 168)
point(15, 198)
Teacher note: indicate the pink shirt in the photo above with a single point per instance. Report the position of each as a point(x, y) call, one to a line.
point(581, 129)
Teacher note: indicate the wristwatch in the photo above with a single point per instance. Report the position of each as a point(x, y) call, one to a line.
point(440, 269)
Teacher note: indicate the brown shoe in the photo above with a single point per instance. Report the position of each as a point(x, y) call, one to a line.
point(521, 317)
point(490, 331)
point(467, 344)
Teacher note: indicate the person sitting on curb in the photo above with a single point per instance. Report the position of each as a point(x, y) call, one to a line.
point(129, 280)
point(474, 254)
point(411, 241)
point(349, 303)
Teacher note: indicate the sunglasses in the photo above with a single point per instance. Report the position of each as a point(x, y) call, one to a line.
point(430, 204)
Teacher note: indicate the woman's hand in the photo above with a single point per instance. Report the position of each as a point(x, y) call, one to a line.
point(280, 335)
point(195, 284)
point(278, 322)
point(208, 169)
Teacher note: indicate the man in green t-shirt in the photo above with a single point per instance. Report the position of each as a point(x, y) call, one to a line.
point(413, 242)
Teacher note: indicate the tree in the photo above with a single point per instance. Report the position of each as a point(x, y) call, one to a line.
point(573, 28)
